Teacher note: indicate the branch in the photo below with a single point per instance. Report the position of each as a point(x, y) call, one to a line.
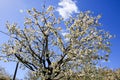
point(31, 50)
point(26, 63)
point(4, 33)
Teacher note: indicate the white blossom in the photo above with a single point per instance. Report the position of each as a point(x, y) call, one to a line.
point(50, 8)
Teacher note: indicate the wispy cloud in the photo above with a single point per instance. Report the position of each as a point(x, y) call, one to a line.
point(67, 8)
point(21, 10)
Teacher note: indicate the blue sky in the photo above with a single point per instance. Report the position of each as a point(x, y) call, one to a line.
point(15, 11)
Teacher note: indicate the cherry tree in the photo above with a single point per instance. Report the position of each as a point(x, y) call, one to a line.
point(41, 46)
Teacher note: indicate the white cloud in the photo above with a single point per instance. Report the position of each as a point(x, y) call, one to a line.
point(64, 34)
point(67, 8)
point(21, 10)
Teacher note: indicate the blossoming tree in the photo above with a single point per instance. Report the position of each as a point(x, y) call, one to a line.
point(41, 46)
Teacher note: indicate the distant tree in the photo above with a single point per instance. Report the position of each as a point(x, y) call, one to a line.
point(54, 48)
point(4, 75)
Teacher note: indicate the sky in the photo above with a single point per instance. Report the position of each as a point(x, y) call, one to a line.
point(15, 11)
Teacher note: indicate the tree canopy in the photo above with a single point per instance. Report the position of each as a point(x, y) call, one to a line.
point(91, 73)
point(55, 48)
